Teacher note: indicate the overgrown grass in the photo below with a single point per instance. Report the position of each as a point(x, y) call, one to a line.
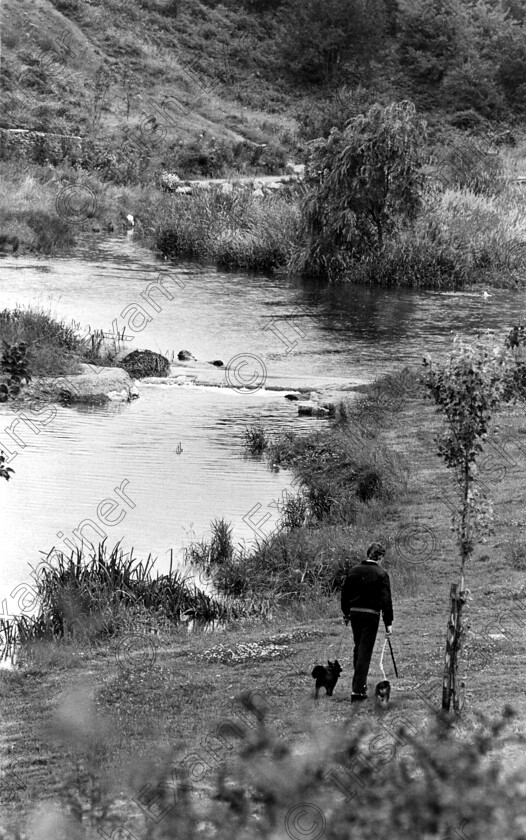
point(28, 211)
point(471, 234)
point(54, 347)
point(235, 230)
point(347, 483)
point(255, 440)
point(91, 595)
point(47, 207)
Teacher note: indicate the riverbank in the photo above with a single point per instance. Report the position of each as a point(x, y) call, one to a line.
point(462, 239)
point(150, 706)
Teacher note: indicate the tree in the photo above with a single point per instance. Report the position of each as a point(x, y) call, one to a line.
point(362, 183)
point(468, 389)
point(318, 36)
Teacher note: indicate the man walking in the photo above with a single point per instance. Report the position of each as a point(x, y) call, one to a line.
point(366, 593)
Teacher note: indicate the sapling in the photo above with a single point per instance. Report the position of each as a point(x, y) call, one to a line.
point(468, 389)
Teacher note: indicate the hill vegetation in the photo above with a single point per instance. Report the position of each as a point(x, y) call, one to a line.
point(180, 82)
point(129, 91)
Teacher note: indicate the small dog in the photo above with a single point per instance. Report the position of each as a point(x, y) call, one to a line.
point(327, 677)
point(382, 693)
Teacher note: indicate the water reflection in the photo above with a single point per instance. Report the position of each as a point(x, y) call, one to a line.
point(180, 448)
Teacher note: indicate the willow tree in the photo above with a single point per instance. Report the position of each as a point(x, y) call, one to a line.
point(468, 389)
point(361, 183)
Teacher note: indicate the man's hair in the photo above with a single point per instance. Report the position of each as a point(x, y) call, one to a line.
point(375, 550)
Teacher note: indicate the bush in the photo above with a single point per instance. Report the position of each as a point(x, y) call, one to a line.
point(363, 184)
point(256, 440)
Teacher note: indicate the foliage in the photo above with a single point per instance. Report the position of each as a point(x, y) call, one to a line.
point(5, 472)
point(468, 389)
point(343, 479)
point(362, 184)
point(93, 594)
point(318, 36)
point(15, 364)
point(393, 777)
point(235, 229)
point(256, 440)
point(317, 117)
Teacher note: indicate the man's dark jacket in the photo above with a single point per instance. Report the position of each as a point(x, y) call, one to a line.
point(367, 586)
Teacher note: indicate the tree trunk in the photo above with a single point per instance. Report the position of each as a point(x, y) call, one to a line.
point(451, 689)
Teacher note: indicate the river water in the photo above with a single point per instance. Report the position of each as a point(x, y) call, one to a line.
point(175, 454)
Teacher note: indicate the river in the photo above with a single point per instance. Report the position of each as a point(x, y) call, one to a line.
point(177, 451)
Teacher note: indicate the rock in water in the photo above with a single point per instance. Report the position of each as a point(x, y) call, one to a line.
point(142, 363)
point(185, 356)
point(89, 388)
point(312, 409)
point(217, 363)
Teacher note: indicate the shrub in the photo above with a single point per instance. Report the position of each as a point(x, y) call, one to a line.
point(256, 440)
point(363, 184)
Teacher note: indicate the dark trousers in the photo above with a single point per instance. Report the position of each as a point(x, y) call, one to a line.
point(364, 627)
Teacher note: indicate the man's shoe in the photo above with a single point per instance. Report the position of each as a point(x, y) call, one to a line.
point(355, 698)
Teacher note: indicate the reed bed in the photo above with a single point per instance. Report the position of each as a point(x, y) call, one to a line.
point(232, 230)
point(94, 594)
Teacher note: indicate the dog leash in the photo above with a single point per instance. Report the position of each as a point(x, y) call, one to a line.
point(387, 641)
point(382, 657)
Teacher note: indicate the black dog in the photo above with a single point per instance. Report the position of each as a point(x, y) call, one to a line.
point(382, 693)
point(327, 677)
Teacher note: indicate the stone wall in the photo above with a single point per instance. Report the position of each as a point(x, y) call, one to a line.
point(40, 147)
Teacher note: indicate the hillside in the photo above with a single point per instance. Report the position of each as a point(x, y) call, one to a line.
point(113, 65)
point(171, 73)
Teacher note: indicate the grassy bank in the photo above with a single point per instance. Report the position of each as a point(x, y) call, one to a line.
point(48, 208)
point(234, 230)
point(53, 346)
point(89, 728)
point(466, 228)
point(462, 239)
point(466, 240)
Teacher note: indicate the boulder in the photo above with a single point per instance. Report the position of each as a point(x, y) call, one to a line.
point(217, 363)
point(185, 356)
point(292, 397)
point(89, 388)
point(142, 363)
point(183, 190)
point(312, 409)
point(226, 189)
point(258, 193)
